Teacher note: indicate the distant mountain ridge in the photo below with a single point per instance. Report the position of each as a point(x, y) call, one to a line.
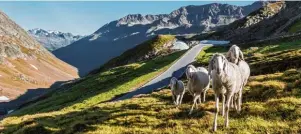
point(205, 17)
point(53, 40)
point(114, 38)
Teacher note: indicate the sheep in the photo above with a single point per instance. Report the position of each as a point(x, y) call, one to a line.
point(235, 56)
point(177, 90)
point(202, 69)
point(226, 81)
point(198, 82)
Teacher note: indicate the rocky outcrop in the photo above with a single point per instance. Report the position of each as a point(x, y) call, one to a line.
point(53, 40)
point(271, 21)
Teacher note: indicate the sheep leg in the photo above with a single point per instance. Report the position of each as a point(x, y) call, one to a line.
point(235, 102)
point(229, 96)
point(204, 96)
point(232, 102)
point(239, 101)
point(223, 105)
point(178, 99)
point(200, 99)
point(173, 99)
point(194, 102)
point(216, 113)
point(181, 98)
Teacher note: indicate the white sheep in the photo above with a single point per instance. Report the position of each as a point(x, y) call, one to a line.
point(202, 69)
point(226, 81)
point(198, 82)
point(177, 90)
point(235, 56)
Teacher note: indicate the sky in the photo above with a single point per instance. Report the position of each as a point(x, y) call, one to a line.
point(84, 18)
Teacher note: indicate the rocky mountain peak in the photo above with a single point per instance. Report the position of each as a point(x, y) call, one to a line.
point(133, 19)
point(52, 39)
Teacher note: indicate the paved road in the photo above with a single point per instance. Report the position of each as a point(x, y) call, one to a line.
point(176, 70)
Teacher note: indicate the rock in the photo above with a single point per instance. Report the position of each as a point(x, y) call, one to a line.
point(53, 40)
point(253, 48)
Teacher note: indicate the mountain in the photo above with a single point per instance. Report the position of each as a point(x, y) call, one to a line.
point(53, 40)
point(157, 46)
point(114, 38)
point(271, 100)
point(25, 64)
point(273, 20)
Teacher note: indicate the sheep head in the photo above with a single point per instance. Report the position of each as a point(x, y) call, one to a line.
point(190, 69)
point(218, 63)
point(234, 54)
point(173, 81)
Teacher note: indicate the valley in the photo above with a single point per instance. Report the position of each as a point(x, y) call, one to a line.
point(271, 103)
point(125, 69)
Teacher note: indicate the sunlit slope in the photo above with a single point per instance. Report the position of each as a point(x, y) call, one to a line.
point(271, 103)
point(25, 64)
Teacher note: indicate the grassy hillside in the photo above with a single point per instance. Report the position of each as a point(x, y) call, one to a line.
point(271, 104)
point(155, 47)
point(294, 28)
point(103, 86)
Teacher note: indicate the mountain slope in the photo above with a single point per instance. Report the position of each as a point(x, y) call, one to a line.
point(53, 40)
point(25, 64)
point(153, 48)
point(274, 20)
point(120, 35)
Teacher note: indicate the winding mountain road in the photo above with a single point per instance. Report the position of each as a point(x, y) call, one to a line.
point(176, 70)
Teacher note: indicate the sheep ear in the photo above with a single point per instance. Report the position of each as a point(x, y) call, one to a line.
point(210, 67)
point(192, 77)
point(188, 74)
point(225, 64)
point(241, 55)
point(228, 55)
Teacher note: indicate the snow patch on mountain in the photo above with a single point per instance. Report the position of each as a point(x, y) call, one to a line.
point(52, 39)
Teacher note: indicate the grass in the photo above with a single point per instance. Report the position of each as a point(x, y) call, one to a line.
point(274, 57)
point(268, 58)
point(155, 47)
point(295, 27)
point(155, 113)
point(271, 48)
point(271, 104)
point(205, 55)
point(103, 86)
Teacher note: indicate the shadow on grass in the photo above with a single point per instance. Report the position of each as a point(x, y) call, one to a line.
point(30, 96)
point(119, 115)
